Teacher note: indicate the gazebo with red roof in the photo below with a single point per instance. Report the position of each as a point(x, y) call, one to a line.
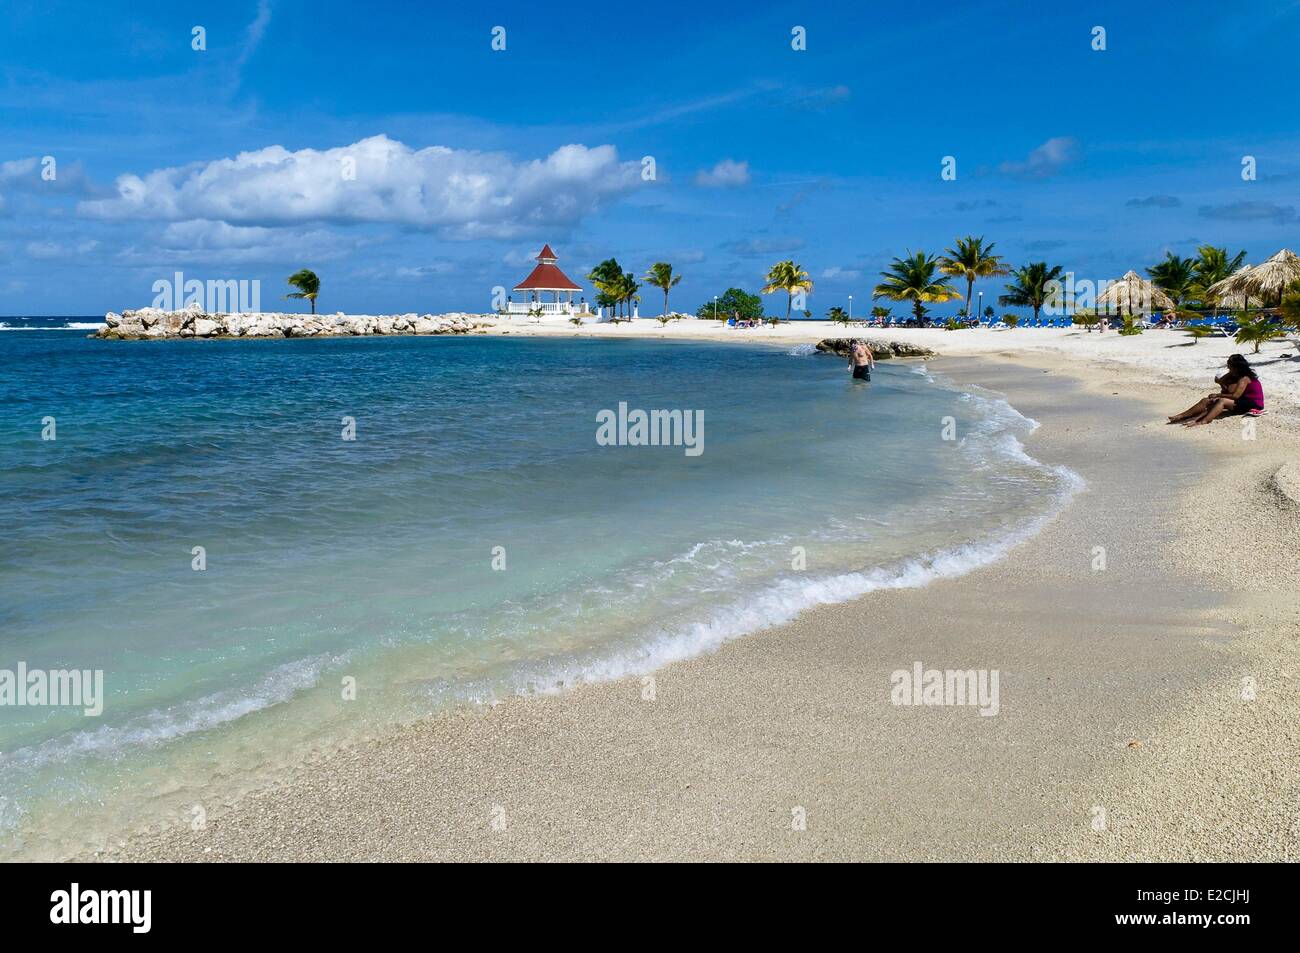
point(545, 277)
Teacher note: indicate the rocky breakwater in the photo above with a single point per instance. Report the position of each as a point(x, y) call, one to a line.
point(880, 350)
point(155, 324)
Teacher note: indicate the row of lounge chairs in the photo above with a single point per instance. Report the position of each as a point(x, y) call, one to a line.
point(1218, 324)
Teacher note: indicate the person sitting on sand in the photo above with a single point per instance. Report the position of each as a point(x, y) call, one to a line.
point(861, 360)
point(1240, 392)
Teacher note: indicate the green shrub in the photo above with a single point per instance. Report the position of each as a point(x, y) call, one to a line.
point(1259, 331)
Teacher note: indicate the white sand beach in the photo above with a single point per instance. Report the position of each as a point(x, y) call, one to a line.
point(1160, 355)
point(1147, 711)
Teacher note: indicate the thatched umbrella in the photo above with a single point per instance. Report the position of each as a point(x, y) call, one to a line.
point(1269, 280)
point(1224, 297)
point(1133, 290)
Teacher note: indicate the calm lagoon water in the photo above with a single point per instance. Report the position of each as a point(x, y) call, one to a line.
point(373, 559)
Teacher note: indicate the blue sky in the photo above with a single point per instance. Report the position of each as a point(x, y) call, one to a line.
point(225, 162)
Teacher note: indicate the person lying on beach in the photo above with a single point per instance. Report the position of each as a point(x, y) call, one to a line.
point(1240, 392)
point(860, 360)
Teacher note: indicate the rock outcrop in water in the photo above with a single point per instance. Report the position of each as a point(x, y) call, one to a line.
point(153, 323)
point(880, 350)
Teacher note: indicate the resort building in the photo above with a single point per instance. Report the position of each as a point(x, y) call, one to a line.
point(546, 277)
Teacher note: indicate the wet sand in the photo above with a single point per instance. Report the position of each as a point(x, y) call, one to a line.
point(1122, 733)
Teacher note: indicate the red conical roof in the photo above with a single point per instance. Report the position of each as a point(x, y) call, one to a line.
point(546, 276)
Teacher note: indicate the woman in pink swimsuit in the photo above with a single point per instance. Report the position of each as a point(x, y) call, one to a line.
point(1240, 392)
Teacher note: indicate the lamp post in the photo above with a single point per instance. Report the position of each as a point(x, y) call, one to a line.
point(850, 309)
point(715, 307)
point(979, 308)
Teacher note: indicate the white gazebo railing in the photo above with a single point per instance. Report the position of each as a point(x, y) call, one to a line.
point(545, 307)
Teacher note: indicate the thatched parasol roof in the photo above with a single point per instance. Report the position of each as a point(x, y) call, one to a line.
point(1224, 297)
point(1134, 293)
point(1264, 281)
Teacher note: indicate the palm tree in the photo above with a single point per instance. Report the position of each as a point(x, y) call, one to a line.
point(1088, 318)
point(1175, 276)
point(627, 291)
point(1029, 290)
point(838, 315)
point(1290, 311)
point(880, 313)
point(661, 276)
point(308, 286)
point(913, 279)
point(605, 293)
point(606, 277)
point(972, 259)
point(1212, 266)
point(788, 277)
point(1257, 332)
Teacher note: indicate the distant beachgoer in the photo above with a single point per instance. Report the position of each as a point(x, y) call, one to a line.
point(861, 361)
point(1240, 392)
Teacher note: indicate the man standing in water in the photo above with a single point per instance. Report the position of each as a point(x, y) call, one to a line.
point(861, 362)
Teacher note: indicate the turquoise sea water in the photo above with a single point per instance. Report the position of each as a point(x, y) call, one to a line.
point(373, 559)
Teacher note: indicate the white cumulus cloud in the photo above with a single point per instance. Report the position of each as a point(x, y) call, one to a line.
point(726, 174)
point(461, 193)
point(1045, 160)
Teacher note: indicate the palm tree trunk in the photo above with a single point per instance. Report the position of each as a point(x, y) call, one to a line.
point(665, 302)
point(789, 302)
point(970, 287)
